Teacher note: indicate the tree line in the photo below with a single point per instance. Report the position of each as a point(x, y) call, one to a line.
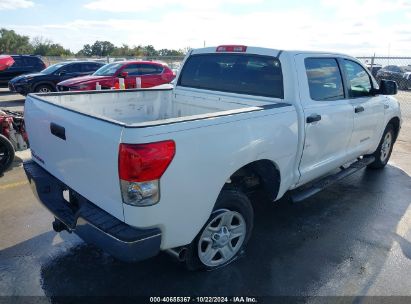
point(13, 43)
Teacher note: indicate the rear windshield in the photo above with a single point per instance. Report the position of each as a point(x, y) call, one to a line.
point(234, 73)
point(51, 69)
point(108, 69)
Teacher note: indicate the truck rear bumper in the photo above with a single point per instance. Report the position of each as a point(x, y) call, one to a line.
point(88, 221)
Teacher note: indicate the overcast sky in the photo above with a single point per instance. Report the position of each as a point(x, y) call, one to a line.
point(356, 27)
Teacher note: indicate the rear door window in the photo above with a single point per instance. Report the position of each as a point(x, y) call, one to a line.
point(28, 62)
point(324, 79)
point(89, 67)
point(132, 69)
point(18, 62)
point(150, 69)
point(234, 73)
point(32, 61)
point(73, 68)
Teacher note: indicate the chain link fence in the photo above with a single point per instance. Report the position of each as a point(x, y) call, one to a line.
point(173, 62)
point(395, 68)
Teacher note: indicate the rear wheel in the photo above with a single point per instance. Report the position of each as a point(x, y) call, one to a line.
point(225, 234)
point(44, 88)
point(383, 152)
point(6, 153)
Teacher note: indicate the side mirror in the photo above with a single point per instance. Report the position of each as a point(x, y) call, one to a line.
point(63, 72)
point(124, 74)
point(388, 87)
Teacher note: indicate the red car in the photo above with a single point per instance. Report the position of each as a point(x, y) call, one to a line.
point(151, 74)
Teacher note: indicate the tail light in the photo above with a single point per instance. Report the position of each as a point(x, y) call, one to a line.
point(231, 48)
point(140, 167)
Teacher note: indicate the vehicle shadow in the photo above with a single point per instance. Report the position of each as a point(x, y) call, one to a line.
point(342, 235)
point(17, 162)
point(404, 244)
point(13, 103)
point(6, 93)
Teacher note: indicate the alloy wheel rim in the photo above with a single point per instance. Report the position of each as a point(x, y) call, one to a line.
point(386, 147)
point(44, 90)
point(222, 238)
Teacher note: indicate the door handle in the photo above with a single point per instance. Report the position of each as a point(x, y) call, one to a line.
point(359, 109)
point(313, 118)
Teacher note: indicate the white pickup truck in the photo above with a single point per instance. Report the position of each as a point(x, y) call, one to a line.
point(171, 169)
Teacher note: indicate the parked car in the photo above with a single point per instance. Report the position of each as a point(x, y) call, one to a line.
point(396, 73)
point(374, 68)
point(151, 74)
point(46, 80)
point(139, 171)
point(23, 64)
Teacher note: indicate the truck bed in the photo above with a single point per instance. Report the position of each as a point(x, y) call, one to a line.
point(75, 136)
point(144, 107)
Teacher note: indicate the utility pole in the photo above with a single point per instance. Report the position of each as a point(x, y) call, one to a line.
point(372, 61)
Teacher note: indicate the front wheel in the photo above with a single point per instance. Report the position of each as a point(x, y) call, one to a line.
point(225, 234)
point(6, 153)
point(383, 152)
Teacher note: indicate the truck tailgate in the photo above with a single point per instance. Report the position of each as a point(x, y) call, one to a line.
point(79, 150)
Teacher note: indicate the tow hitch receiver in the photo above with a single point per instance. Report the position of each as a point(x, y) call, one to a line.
point(59, 226)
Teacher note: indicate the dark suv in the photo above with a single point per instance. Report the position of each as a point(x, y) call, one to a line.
point(23, 64)
point(46, 80)
point(374, 69)
point(396, 73)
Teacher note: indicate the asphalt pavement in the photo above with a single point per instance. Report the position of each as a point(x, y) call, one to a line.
point(352, 239)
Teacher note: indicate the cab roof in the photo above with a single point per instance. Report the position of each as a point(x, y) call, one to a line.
point(261, 51)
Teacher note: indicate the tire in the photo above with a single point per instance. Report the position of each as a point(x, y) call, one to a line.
point(384, 150)
point(6, 153)
point(225, 233)
point(44, 88)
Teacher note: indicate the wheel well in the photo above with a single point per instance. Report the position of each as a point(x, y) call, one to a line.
point(395, 122)
point(258, 175)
